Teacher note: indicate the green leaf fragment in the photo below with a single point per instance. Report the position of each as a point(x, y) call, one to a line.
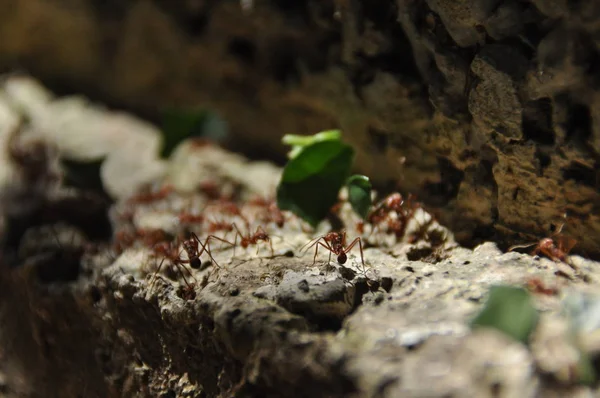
point(311, 181)
point(509, 310)
point(178, 125)
point(298, 142)
point(585, 371)
point(359, 194)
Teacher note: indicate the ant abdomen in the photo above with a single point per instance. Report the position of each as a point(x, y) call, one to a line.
point(342, 258)
point(195, 263)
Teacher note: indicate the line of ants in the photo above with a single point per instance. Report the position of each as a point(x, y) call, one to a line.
point(390, 215)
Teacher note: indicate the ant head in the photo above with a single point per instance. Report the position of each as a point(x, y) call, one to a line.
point(342, 257)
point(162, 247)
point(188, 245)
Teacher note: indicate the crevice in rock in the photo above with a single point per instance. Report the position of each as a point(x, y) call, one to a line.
point(543, 160)
point(582, 174)
point(398, 57)
point(294, 10)
point(192, 20)
point(282, 62)
point(446, 189)
point(537, 121)
point(379, 139)
point(579, 124)
point(242, 49)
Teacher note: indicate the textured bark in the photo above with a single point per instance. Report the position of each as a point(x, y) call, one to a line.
point(487, 109)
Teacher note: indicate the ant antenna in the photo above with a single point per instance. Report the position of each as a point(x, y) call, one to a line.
point(521, 246)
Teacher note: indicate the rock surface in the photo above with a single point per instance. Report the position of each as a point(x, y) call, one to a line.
point(270, 322)
point(485, 109)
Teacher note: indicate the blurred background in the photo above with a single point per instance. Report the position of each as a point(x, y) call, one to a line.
point(487, 111)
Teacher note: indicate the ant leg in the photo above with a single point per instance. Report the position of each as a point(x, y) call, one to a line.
point(537, 250)
point(220, 239)
point(510, 249)
point(156, 273)
point(180, 266)
point(257, 249)
point(237, 232)
point(351, 245)
point(326, 246)
point(316, 242)
point(206, 248)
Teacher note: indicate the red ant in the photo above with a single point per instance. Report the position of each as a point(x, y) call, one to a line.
point(152, 237)
point(537, 286)
point(169, 251)
point(556, 247)
point(192, 248)
point(189, 218)
point(231, 209)
point(253, 239)
point(123, 240)
point(211, 190)
point(404, 210)
point(215, 226)
point(272, 211)
point(151, 196)
point(335, 242)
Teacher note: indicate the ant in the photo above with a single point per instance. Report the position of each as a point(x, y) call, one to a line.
point(123, 239)
point(556, 247)
point(192, 248)
point(152, 237)
point(404, 209)
point(253, 239)
point(335, 242)
point(211, 190)
point(171, 252)
point(537, 286)
point(231, 209)
point(272, 211)
point(151, 196)
point(215, 226)
point(190, 218)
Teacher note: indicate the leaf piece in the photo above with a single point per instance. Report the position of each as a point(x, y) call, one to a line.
point(178, 125)
point(181, 124)
point(311, 181)
point(298, 142)
point(509, 310)
point(359, 194)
